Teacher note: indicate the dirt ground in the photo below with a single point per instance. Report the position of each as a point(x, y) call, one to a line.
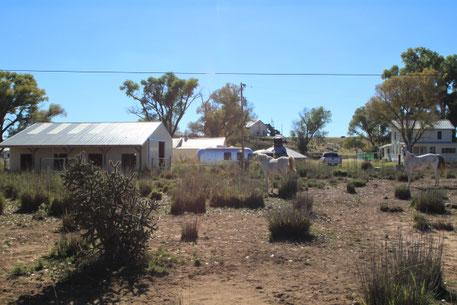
point(239, 265)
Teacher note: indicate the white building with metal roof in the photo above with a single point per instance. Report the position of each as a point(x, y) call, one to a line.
point(185, 149)
point(47, 146)
point(436, 139)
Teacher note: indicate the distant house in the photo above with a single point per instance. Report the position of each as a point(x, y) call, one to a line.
point(438, 139)
point(185, 149)
point(47, 146)
point(257, 128)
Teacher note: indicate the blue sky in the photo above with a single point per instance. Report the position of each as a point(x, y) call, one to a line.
point(221, 36)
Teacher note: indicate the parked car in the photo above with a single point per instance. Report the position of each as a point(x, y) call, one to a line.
point(330, 158)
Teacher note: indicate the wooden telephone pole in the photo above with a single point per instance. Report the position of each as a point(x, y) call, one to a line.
point(243, 161)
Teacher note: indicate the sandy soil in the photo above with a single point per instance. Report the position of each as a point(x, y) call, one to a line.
point(239, 265)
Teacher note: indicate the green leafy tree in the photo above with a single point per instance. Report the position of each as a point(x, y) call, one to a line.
point(408, 102)
point(367, 126)
point(220, 115)
point(310, 126)
point(20, 98)
point(166, 99)
point(419, 59)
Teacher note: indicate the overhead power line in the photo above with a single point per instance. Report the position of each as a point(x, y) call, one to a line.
point(192, 73)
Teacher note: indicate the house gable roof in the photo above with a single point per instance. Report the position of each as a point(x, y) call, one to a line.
point(84, 134)
point(440, 124)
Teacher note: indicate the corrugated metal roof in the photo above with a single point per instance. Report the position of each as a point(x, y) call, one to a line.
point(199, 143)
point(83, 134)
point(440, 124)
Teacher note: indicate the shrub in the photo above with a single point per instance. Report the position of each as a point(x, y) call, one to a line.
point(145, 187)
point(314, 183)
point(11, 191)
point(69, 245)
point(359, 182)
point(446, 226)
point(288, 186)
point(303, 201)
point(402, 177)
point(31, 200)
point(190, 194)
point(402, 192)
point(366, 165)
point(340, 173)
point(189, 231)
point(60, 205)
point(430, 201)
point(385, 208)
point(421, 223)
point(2, 204)
point(350, 187)
point(402, 272)
point(117, 223)
point(19, 270)
point(156, 195)
point(287, 223)
point(68, 223)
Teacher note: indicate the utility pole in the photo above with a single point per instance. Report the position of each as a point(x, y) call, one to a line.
point(243, 161)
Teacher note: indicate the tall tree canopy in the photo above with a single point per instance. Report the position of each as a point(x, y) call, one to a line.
point(369, 127)
point(166, 99)
point(20, 98)
point(220, 115)
point(310, 126)
point(419, 59)
point(409, 102)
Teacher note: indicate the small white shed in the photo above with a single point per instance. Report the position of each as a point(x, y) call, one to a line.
point(47, 146)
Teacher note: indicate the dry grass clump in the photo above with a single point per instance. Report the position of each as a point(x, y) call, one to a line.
point(402, 192)
point(359, 182)
point(145, 187)
point(60, 205)
point(366, 165)
point(189, 195)
point(288, 186)
point(444, 226)
point(403, 272)
point(288, 223)
point(304, 201)
point(31, 200)
point(239, 191)
point(421, 223)
point(189, 231)
point(430, 201)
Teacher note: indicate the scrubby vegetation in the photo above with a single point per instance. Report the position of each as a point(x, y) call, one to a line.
point(116, 222)
point(288, 223)
point(395, 209)
point(288, 186)
point(402, 192)
point(430, 201)
point(402, 272)
point(421, 223)
point(350, 187)
point(303, 201)
point(189, 230)
point(189, 195)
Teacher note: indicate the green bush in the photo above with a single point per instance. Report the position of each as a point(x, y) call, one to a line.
point(60, 205)
point(340, 172)
point(68, 223)
point(19, 270)
point(288, 186)
point(116, 222)
point(350, 187)
point(2, 204)
point(31, 200)
point(430, 201)
point(11, 191)
point(156, 195)
point(359, 182)
point(402, 192)
point(287, 223)
point(402, 272)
